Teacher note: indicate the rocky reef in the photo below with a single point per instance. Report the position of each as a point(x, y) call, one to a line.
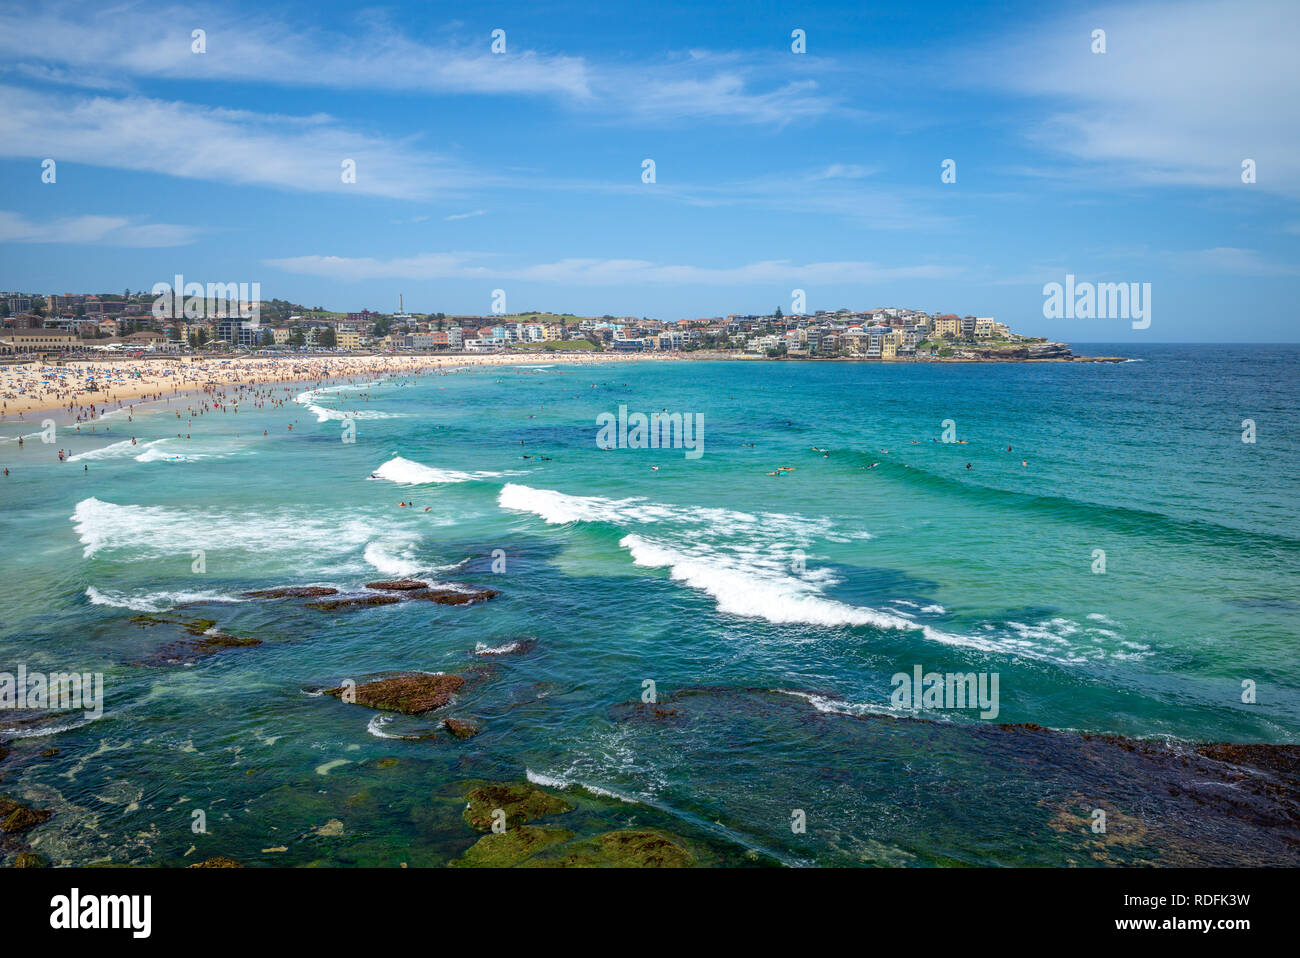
point(208, 641)
point(455, 596)
point(514, 846)
point(16, 817)
point(461, 729)
point(520, 801)
point(412, 694)
point(291, 592)
point(356, 602)
point(523, 844)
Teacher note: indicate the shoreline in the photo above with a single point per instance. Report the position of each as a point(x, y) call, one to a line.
point(156, 380)
point(35, 388)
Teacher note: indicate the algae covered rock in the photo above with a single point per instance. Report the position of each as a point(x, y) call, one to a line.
point(511, 847)
point(333, 605)
point(31, 860)
point(194, 626)
point(462, 729)
point(217, 861)
point(291, 592)
point(398, 585)
point(520, 801)
point(455, 596)
point(629, 849)
point(409, 694)
point(189, 651)
point(16, 817)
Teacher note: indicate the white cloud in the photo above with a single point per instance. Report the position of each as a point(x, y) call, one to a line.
point(464, 216)
point(1231, 260)
point(1183, 94)
point(70, 43)
point(372, 55)
point(207, 143)
point(603, 272)
point(107, 230)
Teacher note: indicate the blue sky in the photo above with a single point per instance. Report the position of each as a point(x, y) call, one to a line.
point(774, 170)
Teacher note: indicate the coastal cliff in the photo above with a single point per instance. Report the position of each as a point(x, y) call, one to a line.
point(1025, 352)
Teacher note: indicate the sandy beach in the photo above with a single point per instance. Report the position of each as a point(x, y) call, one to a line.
point(86, 389)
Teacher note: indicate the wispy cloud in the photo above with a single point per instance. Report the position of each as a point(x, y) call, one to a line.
point(1230, 260)
point(230, 146)
point(1183, 94)
point(603, 272)
point(69, 43)
point(107, 230)
point(464, 216)
point(371, 55)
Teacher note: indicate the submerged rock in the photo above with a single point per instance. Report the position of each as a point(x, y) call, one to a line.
point(218, 861)
point(629, 849)
point(398, 585)
point(193, 626)
point(459, 728)
point(291, 592)
point(31, 860)
point(16, 817)
point(409, 694)
point(332, 605)
point(455, 596)
point(1283, 760)
point(187, 652)
point(517, 647)
point(520, 801)
point(511, 847)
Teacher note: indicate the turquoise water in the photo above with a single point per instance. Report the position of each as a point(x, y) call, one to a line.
point(770, 612)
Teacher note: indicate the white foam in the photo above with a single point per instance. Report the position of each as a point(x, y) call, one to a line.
point(831, 706)
point(398, 564)
point(376, 727)
point(481, 649)
point(324, 414)
point(753, 591)
point(551, 781)
point(162, 531)
point(153, 454)
point(153, 601)
point(111, 451)
point(406, 472)
point(558, 508)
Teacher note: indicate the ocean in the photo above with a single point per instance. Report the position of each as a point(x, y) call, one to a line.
point(702, 646)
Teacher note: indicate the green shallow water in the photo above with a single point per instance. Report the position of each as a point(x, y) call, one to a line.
point(770, 612)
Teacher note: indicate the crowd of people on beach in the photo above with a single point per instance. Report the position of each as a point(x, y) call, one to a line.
point(84, 394)
point(76, 387)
